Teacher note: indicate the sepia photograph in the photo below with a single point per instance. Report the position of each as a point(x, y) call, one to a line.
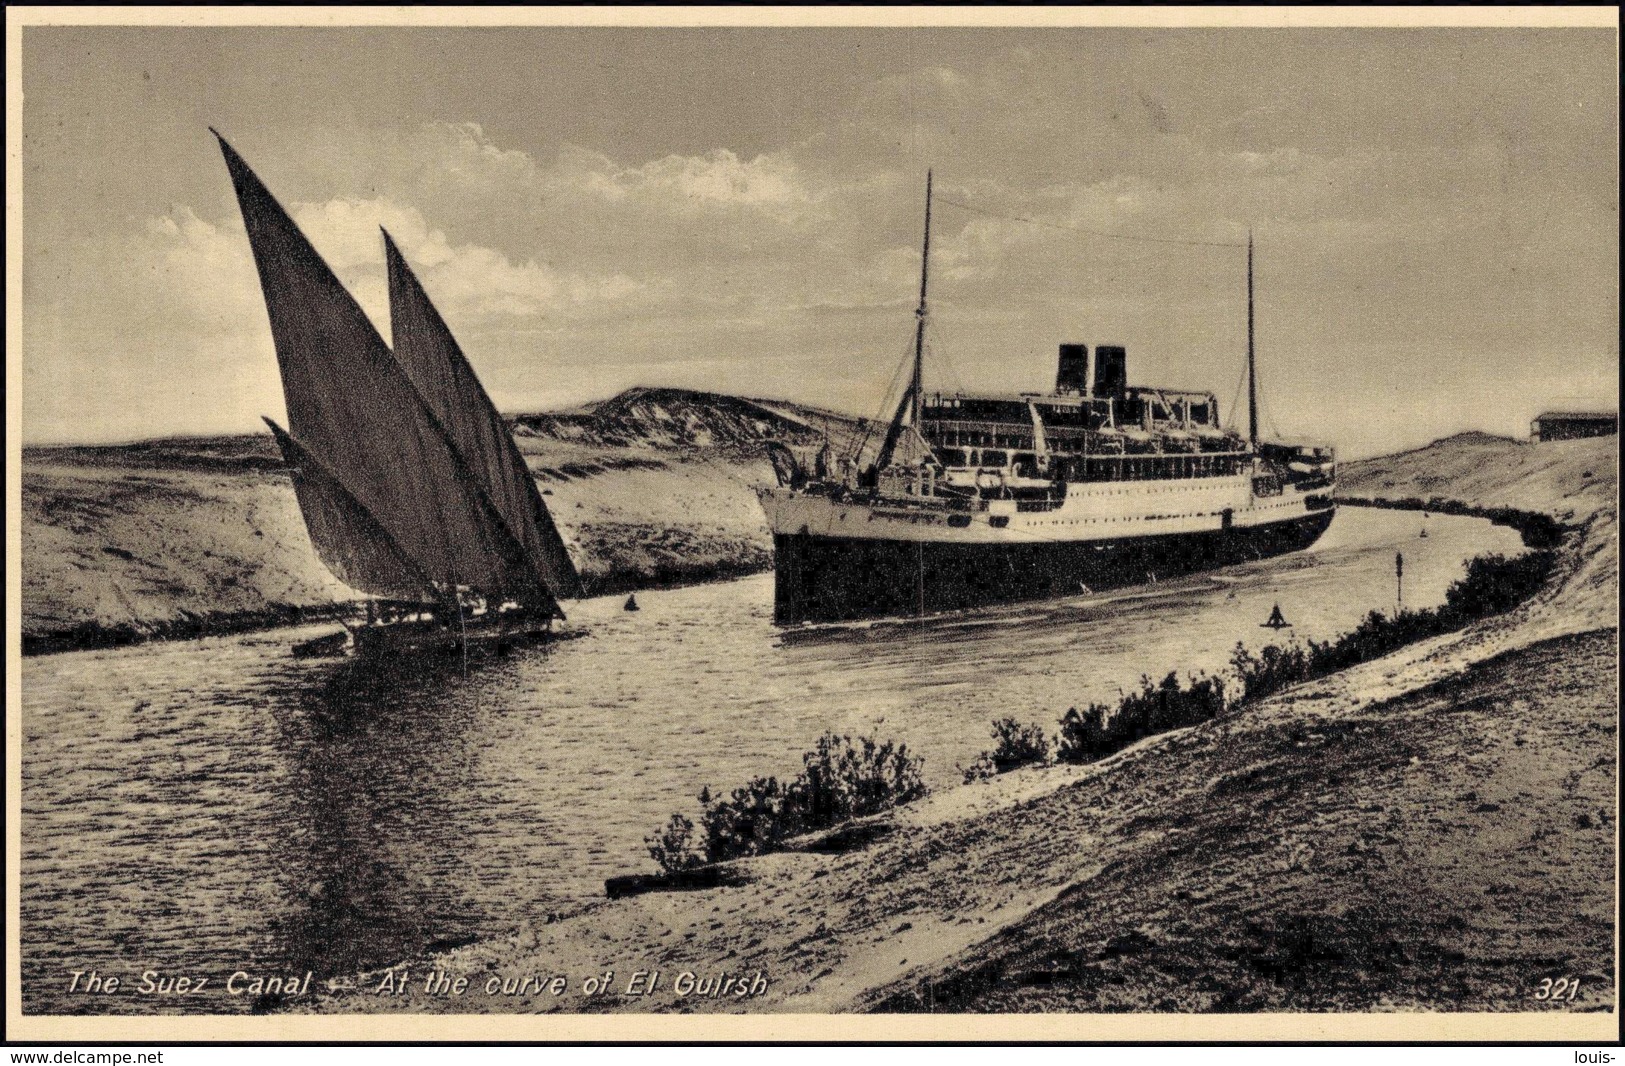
point(809, 524)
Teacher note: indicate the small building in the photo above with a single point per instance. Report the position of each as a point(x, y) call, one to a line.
point(1567, 425)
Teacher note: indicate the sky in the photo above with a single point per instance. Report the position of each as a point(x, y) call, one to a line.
point(1435, 213)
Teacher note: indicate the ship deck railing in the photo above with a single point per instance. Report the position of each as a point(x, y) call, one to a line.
point(958, 434)
point(1152, 466)
point(1018, 436)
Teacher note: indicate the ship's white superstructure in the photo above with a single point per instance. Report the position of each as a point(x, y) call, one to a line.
point(984, 498)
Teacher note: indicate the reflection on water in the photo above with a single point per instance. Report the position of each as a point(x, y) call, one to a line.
point(209, 806)
point(357, 779)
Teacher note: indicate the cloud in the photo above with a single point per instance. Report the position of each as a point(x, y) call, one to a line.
point(718, 178)
point(346, 232)
point(206, 267)
point(1395, 208)
point(467, 156)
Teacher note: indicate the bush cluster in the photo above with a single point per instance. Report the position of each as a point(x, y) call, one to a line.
point(841, 779)
point(1014, 745)
point(1493, 584)
point(1156, 708)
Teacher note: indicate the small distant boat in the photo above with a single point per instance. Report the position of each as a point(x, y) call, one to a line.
point(411, 486)
point(1276, 620)
point(632, 603)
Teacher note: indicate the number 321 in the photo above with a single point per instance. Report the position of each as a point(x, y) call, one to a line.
point(1562, 988)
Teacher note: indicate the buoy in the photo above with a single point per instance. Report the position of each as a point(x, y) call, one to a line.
point(632, 602)
point(1276, 620)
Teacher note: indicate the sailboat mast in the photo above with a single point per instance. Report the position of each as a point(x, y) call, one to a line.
point(1252, 370)
point(916, 390)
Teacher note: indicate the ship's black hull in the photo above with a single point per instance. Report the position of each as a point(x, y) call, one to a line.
point(825, 579)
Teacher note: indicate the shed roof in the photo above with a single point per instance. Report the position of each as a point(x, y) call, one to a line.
point(1581, 416)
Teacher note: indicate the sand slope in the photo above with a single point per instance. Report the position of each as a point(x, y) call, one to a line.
point(1575, 482)
point(1405, 854)
point(1571, 480)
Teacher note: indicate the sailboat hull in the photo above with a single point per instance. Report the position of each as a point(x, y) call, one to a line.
point(826, 579)
point(426, 638)
point(415, 639)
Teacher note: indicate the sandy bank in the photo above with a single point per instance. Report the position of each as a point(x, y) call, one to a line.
point(1573, 482)
point(116, 556)
point(1432, 830)
point(655, 487)
point(1444, 850)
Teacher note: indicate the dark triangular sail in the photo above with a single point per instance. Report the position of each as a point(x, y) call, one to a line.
point(352, 407)
point(348, 538)
point(430, 355)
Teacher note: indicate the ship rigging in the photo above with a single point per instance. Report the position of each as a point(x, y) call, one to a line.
point(984, 498)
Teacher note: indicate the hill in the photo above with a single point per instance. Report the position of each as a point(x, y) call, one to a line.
point(1574, 482)
point(668, 419)
point(1571, 480)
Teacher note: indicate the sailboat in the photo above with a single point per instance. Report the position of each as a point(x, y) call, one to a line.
point(411, 486)
point(1276, 620)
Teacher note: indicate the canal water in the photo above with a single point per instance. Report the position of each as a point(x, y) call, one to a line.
point(206, 806)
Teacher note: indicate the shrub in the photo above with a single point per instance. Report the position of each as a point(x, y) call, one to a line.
point(755, 819)
point(1495, 583)
point(1015, 745)
point(840, 780)
point(673, 847)
point(1272, 669)
point(1156, 708)
point(1085, 737)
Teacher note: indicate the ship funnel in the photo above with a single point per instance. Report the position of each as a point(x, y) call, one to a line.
point(1111, 370)
point(1072, 371)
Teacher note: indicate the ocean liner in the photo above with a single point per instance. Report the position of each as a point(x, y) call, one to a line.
point(979, 499)
point(410, 484)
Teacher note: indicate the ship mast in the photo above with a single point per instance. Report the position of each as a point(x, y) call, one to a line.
point(913, 399)
point(916, 388)
point(1252, 372)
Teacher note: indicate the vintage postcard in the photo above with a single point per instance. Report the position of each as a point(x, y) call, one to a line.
point(849, 523)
